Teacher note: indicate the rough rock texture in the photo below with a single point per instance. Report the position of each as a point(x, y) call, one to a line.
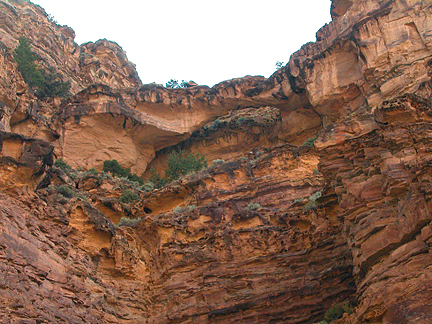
point(235, 135)
point(385, 205)
point(54, 44)
point(218, 262)
point(374, 52)
point(101, 62)
point(23, 161)
point(132, 125)
point(323, 195)
point(238, 263)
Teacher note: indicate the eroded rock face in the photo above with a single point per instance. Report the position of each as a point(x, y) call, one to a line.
point(220, 261)
point(105, 62)
point(385, 206)
point(372, 52)
point(237, 263)
point(23, 161)
point(282, 229)
point(160, 117)
point(54, 45)
point(101, 62)
point(232, 136)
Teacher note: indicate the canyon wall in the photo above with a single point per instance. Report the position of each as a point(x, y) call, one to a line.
point(321, 193)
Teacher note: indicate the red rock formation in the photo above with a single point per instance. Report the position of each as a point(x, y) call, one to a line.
point(385, 207)
point(278, 232)
point(56, 50)
point(360, 59)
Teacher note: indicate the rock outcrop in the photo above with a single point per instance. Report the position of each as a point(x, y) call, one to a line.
point(384, 204)
point(320, 194)
point(101, 62)
point(372, 53)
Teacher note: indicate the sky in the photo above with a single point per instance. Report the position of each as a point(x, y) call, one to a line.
point(204, 41)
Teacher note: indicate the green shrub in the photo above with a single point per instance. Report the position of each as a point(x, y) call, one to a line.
point(128, 197)
point(311, 204)
point(91, 171)
point(253, 206)
point(179, 210)
point(180, 164)
point(296, 201)
point(310, 142)
point(217, 162)
point(125, 183)
point(130, 222)
point(174, 84)
point(337, 311)
point(52, 86)
point(65, 191)
point(147, 186)
point(135, 178)
point(113, 167)
point(259, 153)
point(333, 313)
point(80, 195)
point(347, 307)
point(217, 123)
point(25, 59)
point(61, 199)
point(61, 164)
point(105, 175)
point(156, 179)
point(45, 84)
point(315, 196)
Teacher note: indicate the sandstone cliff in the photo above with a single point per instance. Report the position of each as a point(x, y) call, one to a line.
point(278, 232)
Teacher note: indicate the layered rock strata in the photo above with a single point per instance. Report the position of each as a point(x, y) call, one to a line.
point(382, 183)
point(374, 52)
point(281, 230)
point(217, 261)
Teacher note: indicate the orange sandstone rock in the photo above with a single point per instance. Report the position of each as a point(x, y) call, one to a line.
point(278, 232)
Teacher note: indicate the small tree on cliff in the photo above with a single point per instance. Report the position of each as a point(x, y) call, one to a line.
point(113, 167)
point(26, 64)
point(278, 65)
point(175, 84)
point(180, 164)
point(44, 83)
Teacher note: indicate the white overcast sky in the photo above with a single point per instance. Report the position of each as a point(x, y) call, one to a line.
point(204, 41)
